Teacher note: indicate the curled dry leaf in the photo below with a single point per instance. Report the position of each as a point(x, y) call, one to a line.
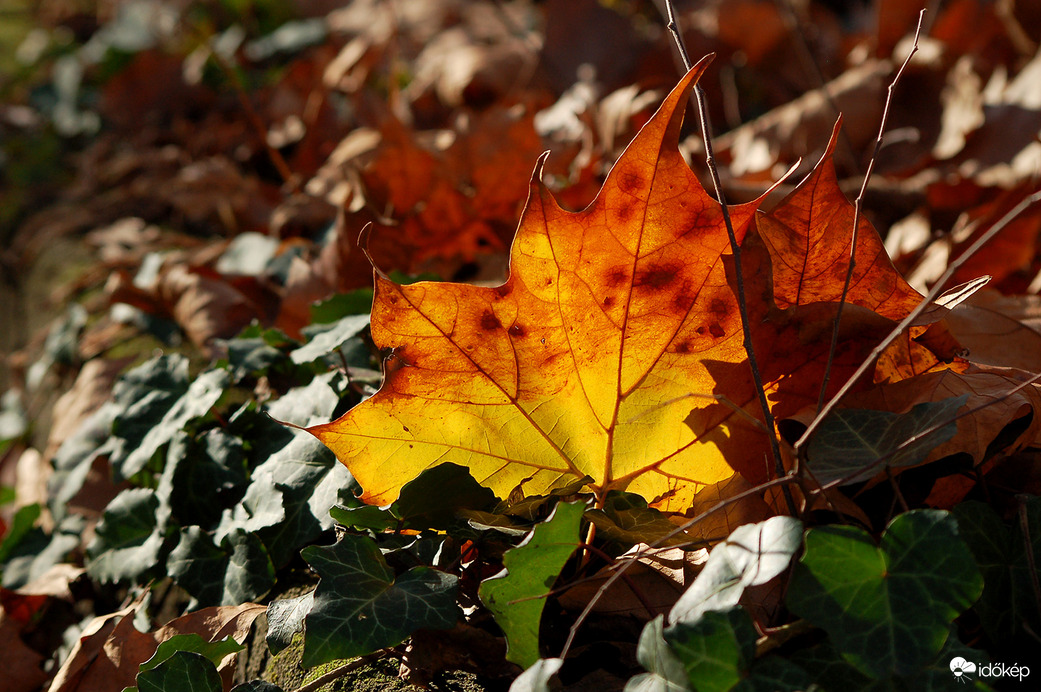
point(110, 649)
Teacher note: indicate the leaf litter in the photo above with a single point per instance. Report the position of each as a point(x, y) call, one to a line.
point(212, 208)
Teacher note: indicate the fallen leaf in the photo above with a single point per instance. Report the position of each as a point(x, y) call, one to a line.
point(787, 132)
point(613, 350)
point(517, 595)
point(23, 670)
point(481, 354)
point(808, 236)
point(1015, 412)
point(999, 330)
point(110, 648)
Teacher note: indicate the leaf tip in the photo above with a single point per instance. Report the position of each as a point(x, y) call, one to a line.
point(363, 244)
point(540, 164)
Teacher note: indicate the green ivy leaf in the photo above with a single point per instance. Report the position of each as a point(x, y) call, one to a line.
point(852, 439)
point(13, 421)
point(77, 455)
point(259, 508)
point(716, 650)
point(204, 391)
point(360, 607)
point(369, 517)
point(212, 651)
point(665, 671)
point(326, 339)
point(184, 671)
point(887, 608)
point(256, 352)
point(1008, 605)
point(357, 302)
point(752, 555)
point(830, 670)
point(37, 552)
point(285, 618)
point(238, 571)
point(718, 653)
point(20, 525)
point(307, 405)
point(156, 400)
point(214, 477)
point(516, 596)
point(127, 543)
point(433, 498)
point(537, 676)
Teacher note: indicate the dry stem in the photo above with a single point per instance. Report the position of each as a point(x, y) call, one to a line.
point(858, 207)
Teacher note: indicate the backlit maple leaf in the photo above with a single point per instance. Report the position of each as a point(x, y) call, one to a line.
point(605, 353)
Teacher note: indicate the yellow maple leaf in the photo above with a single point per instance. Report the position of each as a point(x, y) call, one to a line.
point(600, 356)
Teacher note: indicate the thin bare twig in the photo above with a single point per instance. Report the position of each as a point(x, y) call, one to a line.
point(797, 28)
point(735, 248)
point(937, 288)
point(858, 207)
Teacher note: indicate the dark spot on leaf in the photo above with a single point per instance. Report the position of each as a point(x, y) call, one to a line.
point(701, 329)
point(683, 347)
point(624, 212)
point(719, 307)
point(490, 322)
point(658, 276)
point(716, 331)
point(405, 428)
point(616, 277)
point(504, 290)
point(608, 301)
point(630, 182)
point(518, 331)
point(683, 302)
